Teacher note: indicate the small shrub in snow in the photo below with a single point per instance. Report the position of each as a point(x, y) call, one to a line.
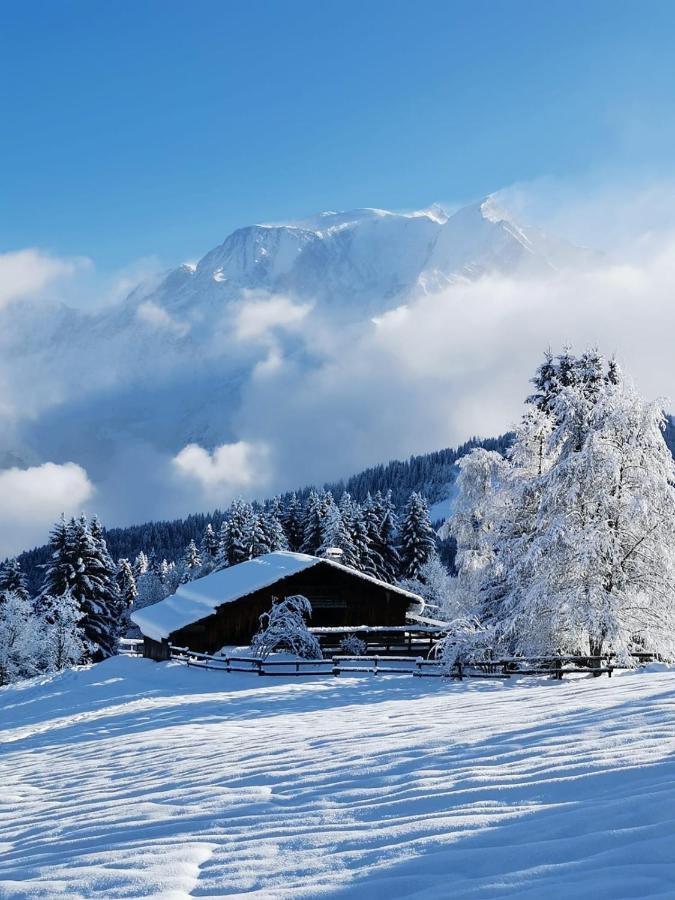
point(466, 641)
point(284, 628)
point(353, 646)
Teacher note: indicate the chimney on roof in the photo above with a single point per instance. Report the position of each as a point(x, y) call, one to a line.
point(333, 553)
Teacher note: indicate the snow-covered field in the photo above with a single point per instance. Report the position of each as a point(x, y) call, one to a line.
point(136, 779)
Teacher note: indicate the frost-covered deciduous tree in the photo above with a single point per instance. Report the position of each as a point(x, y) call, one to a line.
point(571, 540)
point(437, 588)
point(284, 628)
point(19, 639)
point(601, 566)
point(62, 640)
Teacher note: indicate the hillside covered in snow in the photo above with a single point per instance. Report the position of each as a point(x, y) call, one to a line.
point(136, 779)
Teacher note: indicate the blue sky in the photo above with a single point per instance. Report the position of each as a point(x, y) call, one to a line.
point(155, 128)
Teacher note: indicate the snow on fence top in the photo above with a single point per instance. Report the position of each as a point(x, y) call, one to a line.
point(200, 598)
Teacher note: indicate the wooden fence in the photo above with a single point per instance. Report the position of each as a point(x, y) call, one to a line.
point(338, 664)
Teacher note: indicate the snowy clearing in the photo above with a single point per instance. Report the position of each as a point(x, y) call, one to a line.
point(137, 779)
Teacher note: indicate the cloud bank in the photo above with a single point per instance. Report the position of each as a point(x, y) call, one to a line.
point(33, 498)
point(279, 393)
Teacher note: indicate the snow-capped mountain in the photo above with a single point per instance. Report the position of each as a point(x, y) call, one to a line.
point(171, 364)
point(366, 260)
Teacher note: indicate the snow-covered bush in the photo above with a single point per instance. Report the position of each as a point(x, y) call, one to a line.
point(284, 628)
point(353, 646)
point(437, 588)
point(466, 641)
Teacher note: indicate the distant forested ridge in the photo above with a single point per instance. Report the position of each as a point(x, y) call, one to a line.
point(429, 474)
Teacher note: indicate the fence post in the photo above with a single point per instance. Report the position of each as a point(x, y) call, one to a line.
point(459, 669)
point(336, 666)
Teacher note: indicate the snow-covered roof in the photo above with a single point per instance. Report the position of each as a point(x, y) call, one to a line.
point(199, 599)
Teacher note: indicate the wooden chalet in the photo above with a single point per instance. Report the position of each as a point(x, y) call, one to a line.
point(224, 607)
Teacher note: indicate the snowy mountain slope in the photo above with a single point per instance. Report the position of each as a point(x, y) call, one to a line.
point(136, 779)
point(180, 360)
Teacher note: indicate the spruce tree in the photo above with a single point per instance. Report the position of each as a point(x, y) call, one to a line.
point(335, 535)
point(418, 542)
point(292, 521)
point(192, 563)
point(94, 589)
point(12, 580)
point(209, 546)
point(126, 583)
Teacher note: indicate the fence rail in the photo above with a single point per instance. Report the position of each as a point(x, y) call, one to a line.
point(338, 664)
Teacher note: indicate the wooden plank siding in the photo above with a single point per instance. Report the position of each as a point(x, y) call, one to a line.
point(338, 598)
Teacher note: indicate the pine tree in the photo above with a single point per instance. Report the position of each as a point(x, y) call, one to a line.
point(315, 511)
point(141, 564)
point(126, 583)
point(12, 580)
point(192, 563)
point(546, 384)
point(292, 521)
point(259, 538)
point(361, 541)
point(418, 543)
point(270, 522)
point(372, 515)
point(388, 537)
point(60, 569)
point(93, 587)
point(209, 545)
point(236, 541)
point(335, 536)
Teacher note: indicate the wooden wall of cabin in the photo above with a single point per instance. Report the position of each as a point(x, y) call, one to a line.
point(338, 598)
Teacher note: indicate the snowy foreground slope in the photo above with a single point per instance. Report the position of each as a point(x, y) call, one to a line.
point(133, 779)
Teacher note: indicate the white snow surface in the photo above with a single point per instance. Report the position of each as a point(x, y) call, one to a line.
point(200, 598)
point(137, 779)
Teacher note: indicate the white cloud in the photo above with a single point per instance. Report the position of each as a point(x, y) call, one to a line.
point(157, 317)
point(32, 499)
point(24, 273)
point(228, 470)
point(256, 317)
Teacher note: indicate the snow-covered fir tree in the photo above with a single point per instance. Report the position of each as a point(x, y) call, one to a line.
point(126, 583)
point(12, 580)
point(418, 542)
point(81, 565)
point(236, 535)
point(292, 521)
point(192, 563)
point(335, 535)
point(273, 531)
point(316, 508)
point(386, 543)
point(209, 546)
